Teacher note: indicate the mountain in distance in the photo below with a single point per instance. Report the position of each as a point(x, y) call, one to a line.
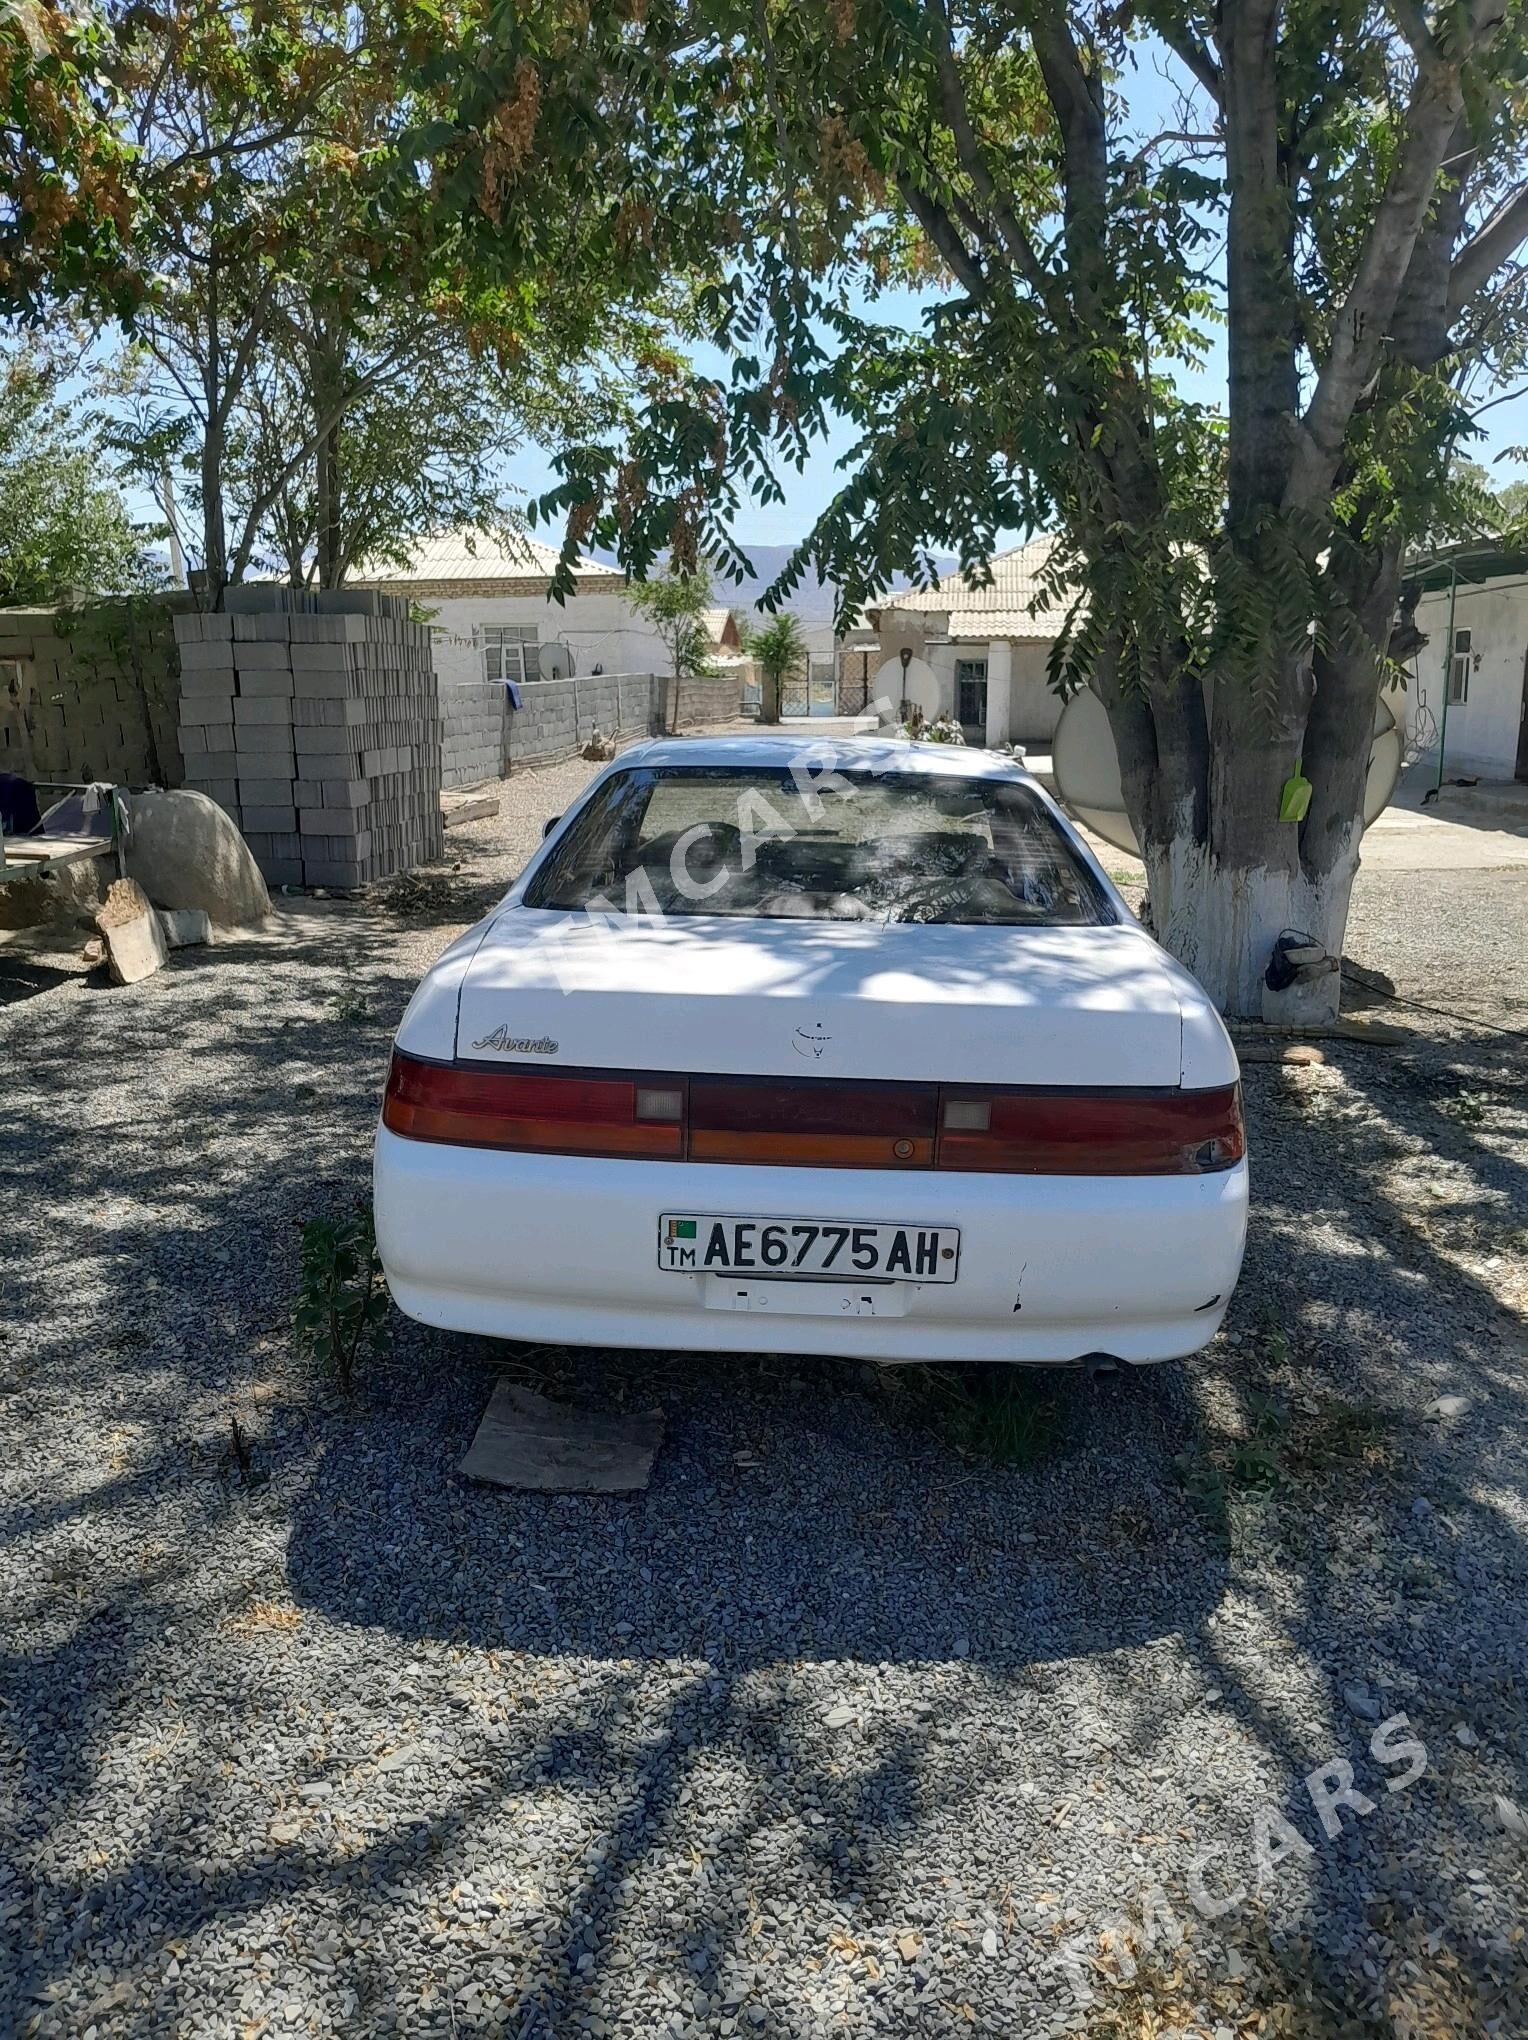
point(811, 602)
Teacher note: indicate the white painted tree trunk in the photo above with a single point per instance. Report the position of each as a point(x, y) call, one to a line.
point(1224, 923)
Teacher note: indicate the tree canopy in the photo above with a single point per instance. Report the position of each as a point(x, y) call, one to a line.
point(1337, 187)
point(63, 523)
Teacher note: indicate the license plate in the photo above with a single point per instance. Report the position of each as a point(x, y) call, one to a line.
point(699, 1243)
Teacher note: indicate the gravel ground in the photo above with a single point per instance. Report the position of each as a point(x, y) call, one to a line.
point(840, 1728)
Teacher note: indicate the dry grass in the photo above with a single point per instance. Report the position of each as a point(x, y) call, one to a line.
point(262, 1617)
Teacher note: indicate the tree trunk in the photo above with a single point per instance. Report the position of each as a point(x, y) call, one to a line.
point(1227, 882)
point(330, 552)
point(1223, 920)
point(214, 543)
point(769, 697)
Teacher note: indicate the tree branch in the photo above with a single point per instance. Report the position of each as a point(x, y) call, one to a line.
point(1191, 52)
point(1021, 249)
point(941, 230)
point(1361, 328)
point(1491, 246)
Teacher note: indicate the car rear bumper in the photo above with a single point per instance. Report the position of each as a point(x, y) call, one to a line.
point(564, 1249)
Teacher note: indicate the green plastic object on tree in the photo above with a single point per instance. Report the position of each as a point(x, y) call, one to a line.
point(1294, 798)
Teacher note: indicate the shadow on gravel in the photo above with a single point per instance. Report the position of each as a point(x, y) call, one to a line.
point(791, 1516)
point(799, 1518)
point(23, 977)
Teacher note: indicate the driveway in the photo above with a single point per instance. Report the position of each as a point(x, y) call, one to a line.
point(891, 1707)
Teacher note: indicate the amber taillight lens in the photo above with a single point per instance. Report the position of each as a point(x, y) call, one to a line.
point(816, 1122)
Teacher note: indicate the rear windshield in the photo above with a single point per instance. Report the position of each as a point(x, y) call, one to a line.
point(764, 843)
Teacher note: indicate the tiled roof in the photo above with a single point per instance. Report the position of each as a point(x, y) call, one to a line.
point(474, 555)
point(1000, 610)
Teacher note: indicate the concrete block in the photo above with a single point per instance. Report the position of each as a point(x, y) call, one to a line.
point(315, 743)
point(357, 845)
point(261, 657)
point(272, 843)
point(263, 711)
point(265, 686)
point(205, 657)
point(327, 630)
point(265, 753)
point(269, 627)
point(266, 792)
point(213, 703)
point(249, 598)
point(268, 820)
point(197, 737)
point(345, 711)
point(225, 791)
point(325, 657)
point(334, 794)
point(333, 871)
point(216, 764)
point(328, 683)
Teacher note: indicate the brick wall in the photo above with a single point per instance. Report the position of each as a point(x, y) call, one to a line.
point(91, 693)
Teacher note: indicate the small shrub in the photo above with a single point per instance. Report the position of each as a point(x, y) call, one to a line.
point(342, 1298)
point(1467, 1108)
point(999, 1413)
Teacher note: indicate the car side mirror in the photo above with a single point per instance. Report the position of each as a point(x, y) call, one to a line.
point(549, 825)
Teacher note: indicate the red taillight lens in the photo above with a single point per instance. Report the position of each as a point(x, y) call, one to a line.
point(554, 1114)
point(1091, 1133)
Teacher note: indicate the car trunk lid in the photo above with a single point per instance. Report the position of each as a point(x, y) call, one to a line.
point(771, 998)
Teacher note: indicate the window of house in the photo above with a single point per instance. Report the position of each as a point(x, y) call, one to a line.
point(1459, 669)
point(509, 652)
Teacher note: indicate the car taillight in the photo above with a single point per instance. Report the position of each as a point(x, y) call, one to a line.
point(811, 1121)
point(1091, 1133)
point(816, 1122)
point(538, 1111)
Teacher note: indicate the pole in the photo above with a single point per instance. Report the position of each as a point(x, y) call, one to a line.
point(1448, 672)
point(167, 499)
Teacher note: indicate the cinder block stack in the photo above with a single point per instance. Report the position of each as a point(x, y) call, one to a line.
point(315, 721)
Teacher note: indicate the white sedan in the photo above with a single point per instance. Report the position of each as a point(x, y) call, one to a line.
point(808, 1047)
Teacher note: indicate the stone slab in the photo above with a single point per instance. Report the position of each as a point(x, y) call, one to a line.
point(526, 1442)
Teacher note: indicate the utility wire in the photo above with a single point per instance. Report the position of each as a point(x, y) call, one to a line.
point(1366, 984)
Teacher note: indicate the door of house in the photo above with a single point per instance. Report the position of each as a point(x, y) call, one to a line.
point(971, 698)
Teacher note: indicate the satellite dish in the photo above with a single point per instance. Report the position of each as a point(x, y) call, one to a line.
point(1085, 768)
point(914, 681)
point(555, 661)
point(1387, 754)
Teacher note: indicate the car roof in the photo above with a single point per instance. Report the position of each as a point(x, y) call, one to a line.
point(779, 749)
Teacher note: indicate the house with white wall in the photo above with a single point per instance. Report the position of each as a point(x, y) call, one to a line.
point(986, 647)
point(1466, 704)
point(491, 607)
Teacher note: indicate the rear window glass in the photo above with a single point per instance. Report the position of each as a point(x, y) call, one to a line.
point(763, 843)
